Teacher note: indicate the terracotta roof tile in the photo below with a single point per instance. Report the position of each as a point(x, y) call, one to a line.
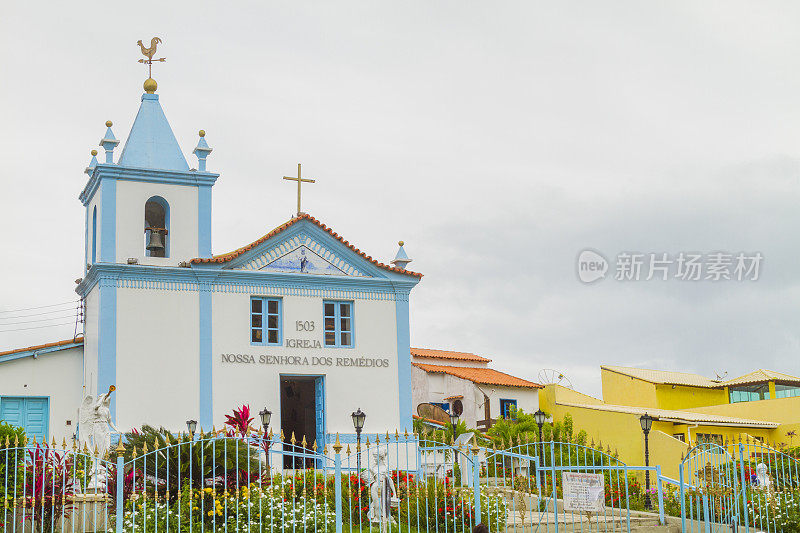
point(485, 376)
point(447, 354)
point(428, 420)
point(42, 346)
point(223, 258)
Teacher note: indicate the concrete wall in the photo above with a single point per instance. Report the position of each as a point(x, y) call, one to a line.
point(681, 397)
point(373, 389)
point(131, 197)
point(781, 410)
point(157, 358)
point(427, 387)
point(620, 389)
point(27, 377)
point(527, 399)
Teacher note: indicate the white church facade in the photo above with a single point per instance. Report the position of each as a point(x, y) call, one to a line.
point(300, 321)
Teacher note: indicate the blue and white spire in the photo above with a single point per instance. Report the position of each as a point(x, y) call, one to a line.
point(109, 142)
point(151, 143)
point(201, 151)
point(92, 163)
point(401, 260)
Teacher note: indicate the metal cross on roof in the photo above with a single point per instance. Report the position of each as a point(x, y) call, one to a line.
point(300, 180)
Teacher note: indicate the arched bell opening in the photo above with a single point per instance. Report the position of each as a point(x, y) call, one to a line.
point(156, 227)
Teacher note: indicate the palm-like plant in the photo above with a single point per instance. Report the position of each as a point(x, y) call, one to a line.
point(174, 461)
point(239, 421)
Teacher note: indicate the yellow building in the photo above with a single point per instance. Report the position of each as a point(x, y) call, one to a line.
point(687, 408)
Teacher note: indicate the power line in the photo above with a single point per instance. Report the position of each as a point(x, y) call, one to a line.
point(38, 320)
point(42, 313)
point(36, 327)
point(73, 302)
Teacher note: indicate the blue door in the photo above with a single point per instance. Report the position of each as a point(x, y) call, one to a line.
point(32, 414)
point(319, 405)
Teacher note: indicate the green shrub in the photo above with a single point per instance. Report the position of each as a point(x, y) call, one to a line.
point(233, 462)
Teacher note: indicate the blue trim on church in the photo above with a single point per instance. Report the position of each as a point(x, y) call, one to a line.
point(206, 389)
point(403, 361)
point(107, 340)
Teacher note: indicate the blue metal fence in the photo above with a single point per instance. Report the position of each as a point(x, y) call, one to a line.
point(745, 486)
point(396, 483)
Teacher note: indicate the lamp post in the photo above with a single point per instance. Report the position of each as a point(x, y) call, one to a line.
point(540, 416)
point(191, 425)
point(453, 422)
point(266, 415)
point(358, 423)
point(646, 422)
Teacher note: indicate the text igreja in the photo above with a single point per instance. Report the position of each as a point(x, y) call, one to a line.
point(301, 360)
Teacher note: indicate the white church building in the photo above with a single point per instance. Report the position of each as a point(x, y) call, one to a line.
point(300, 321)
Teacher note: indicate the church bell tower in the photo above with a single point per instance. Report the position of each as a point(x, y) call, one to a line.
point(148, 207)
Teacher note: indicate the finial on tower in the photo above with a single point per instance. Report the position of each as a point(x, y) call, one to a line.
point(92, 163)
point(109, 142)
point(401, 260)
point(150, 85)
point(201, 151)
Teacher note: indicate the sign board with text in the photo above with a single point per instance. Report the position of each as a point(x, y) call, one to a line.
point(583, 492)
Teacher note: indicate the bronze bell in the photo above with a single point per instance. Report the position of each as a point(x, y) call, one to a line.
point(155, 243)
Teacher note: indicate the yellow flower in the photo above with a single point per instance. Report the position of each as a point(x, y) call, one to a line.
point(210, 513)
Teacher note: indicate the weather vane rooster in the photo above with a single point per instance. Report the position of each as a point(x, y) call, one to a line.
point(149, 53)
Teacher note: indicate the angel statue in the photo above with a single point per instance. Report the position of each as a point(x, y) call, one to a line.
point(762, 477)
point(95, 419)
point(382, 491)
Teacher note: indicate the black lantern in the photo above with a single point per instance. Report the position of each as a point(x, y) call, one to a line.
point(265, 415)
point(646, 421)
point(358, 423)
point(453, 421)
point(540, 416)
point(191, 425)
point(358, 420)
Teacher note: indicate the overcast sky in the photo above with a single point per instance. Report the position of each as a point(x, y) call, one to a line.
point(497, 139)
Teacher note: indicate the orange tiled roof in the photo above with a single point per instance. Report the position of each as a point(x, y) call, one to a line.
point(447, 354)
point(223, 258)
point(428, 420)
point(41, 346)
point(485, 376)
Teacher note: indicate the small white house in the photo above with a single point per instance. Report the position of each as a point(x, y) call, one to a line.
point(444, 377)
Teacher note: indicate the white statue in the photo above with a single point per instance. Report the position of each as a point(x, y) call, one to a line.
point(96, 423)
point(762, 477)
point(381, 488)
